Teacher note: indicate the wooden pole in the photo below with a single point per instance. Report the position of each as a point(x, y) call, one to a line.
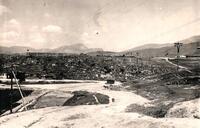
point(178, 46)
point(11, 93)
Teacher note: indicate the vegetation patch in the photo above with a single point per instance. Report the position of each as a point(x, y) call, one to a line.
point(86, 98)
point(157, 111)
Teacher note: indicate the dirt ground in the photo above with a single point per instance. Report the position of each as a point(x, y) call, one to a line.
point(117, 114)
point(162, 95)
point(166, 100)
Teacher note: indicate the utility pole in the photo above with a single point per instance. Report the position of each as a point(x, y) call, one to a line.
point(137, 56)
point(178, 46)
point(11, 94)
point(137, 61)
point(11, 89)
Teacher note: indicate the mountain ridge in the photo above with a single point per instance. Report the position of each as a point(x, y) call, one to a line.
point(74, 48)
point(148, 50)
point(189, 47)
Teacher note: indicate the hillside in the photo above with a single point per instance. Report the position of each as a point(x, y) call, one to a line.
point(191, 39)
point(148, 46)
point(74, 48)
point(101, 53)
point(15, 49)
point(189, 47)
point(147, 50)
point(165, 51)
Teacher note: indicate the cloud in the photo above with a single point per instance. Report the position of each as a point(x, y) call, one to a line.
point(85, 34)
point(9, 38)
point(37, 40)
point(52, 29)
point(34, 28)
point(47, 15)
point(10, 35)
point(41, 37)
point(11, 30)
point(12, 25)
point(13, 22)
point(4, 9)
point(37, 37)
point(96, 17)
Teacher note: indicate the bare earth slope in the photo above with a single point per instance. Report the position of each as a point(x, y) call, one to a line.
point(111, 115)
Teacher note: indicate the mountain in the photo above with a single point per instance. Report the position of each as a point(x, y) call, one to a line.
point(15, 49)
point(189, 48)
point(102, 53)
point(94, 50)
point(191, 39)
point(148, 46)
point(186, 49)
point(73, 49)
point(149, 50)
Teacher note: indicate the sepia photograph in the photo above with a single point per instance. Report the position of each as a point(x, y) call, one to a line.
point(99, 63)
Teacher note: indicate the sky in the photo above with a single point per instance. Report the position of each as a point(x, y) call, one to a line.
point(113, 25)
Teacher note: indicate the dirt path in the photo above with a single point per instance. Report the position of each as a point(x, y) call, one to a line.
point(179, 66)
